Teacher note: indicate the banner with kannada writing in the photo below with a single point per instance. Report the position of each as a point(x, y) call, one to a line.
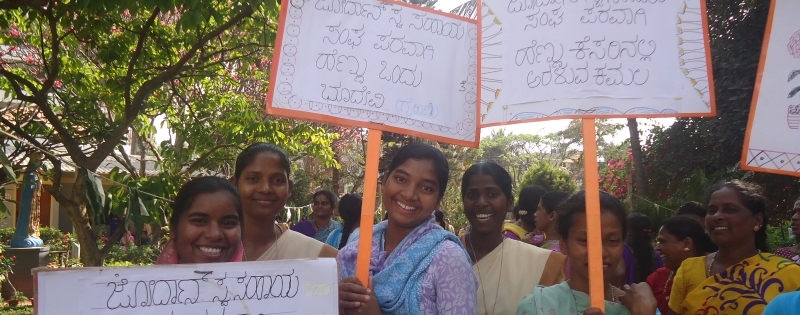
point(385, 65)
point(772, 141)
point(552, 59)
point(271, 287)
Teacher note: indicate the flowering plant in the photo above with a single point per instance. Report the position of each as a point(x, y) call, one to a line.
point(6, 263)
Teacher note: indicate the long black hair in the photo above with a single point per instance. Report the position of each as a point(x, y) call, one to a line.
point(350, 211)
point(639, 239)
point(421, 151)
point(199, 186)
point(683, 227)
point(529, 197)
point(752, 196)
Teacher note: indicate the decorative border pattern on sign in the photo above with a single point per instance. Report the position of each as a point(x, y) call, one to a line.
point(692, 50)
point(591, 111)
point(285, 96)
point(784, 161)
point(492, 28)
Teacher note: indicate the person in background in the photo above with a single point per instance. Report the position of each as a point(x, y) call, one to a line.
point(679, 238)
point(205, 226)
point(322, 223)
point(350, 211)
point(439, 217)
point(784, 304)
point(279, 222)
point(793, 252)
point(741, 274)
point(262, 175)
point(640, 256)
point(416, 266)
point(506, 269)
point(528, 203)
point(694, 210)
point(146, 239)
point(571, 296)
point(546, 218)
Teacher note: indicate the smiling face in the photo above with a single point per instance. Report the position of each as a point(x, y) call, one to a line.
point(411, 193)
point(264, 186)
point(796, 219)
point(575, 246)
point(672, 249)
point(322, 206)
point(209, 231)
point(729, 222)
point(485, 205)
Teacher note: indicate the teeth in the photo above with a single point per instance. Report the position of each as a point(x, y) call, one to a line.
point(483, 216)
point(211, 250)
point(406, 207)
point(720, 228)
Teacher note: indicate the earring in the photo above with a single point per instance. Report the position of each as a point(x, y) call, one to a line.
point(756, 228)
point(686, 249)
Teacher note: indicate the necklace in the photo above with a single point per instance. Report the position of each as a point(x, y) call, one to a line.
point(708, 271)
point(580, 312)
point(666, 284)
point(480, 278)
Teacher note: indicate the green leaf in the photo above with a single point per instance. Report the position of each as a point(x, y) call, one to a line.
point(135, 209)
point(7, 167)
point(95, 196)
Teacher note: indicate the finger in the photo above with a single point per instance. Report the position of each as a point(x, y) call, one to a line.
point(349, 304)
point(354, 288)
point(349, 296)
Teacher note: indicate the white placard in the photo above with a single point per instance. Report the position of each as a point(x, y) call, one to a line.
point(551, 59)
point(379, 65)
point(274, 287)
point(773, 133)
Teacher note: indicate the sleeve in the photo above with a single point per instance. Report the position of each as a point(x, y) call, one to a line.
point(510, 235)
point(455, 285)
point(678, 293)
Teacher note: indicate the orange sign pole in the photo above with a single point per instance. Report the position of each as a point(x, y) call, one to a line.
point(368, 206)
point(594, 237)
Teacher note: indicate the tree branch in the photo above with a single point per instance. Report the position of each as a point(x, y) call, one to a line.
point(15, 81)
point(125, 161)
point(137, 53)
point(205, 155)
point(148, 87)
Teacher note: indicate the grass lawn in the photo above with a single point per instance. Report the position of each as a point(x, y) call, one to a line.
point(16, 310)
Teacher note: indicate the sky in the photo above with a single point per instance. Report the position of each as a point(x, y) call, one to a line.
point(550, 126)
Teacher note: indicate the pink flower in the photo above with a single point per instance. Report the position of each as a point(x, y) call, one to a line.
point(58, 84)
point(29, 59)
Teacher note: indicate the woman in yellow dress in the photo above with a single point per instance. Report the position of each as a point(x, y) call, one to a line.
point(742, 277)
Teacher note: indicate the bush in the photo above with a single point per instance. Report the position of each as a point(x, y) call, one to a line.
point(16, 310)
point(136, 256)
point(5, 236)
point(549, 177)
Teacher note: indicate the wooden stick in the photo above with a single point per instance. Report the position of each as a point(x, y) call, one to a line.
point(594, 237)
point(368, 206)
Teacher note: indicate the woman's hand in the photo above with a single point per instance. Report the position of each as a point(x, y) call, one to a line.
point(638, 298)
point(355, 298)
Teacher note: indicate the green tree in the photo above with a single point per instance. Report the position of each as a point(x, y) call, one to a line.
point(713, 146)
point(550, 178)
point(87, 74)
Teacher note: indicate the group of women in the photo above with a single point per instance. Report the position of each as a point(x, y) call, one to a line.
point(416, 267)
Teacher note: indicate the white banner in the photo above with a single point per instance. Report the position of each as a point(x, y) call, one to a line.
point(274, 287)
point(773, 133)
point(379, 65)
point(550, 59)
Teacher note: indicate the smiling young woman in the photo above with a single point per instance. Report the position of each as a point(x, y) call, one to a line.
point(506, 269)
point(741, 270)
point(205, 226)
point(416, 266)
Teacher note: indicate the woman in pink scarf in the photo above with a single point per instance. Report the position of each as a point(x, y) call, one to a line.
point(206, 224)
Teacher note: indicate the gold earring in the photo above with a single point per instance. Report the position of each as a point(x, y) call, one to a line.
point(686, 249)
point(756, 228)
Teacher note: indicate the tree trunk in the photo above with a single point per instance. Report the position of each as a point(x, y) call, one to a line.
point(636, 150)
point(90, 254)
point(336, 174)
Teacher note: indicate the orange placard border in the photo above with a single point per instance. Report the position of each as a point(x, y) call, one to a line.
point(762, 62)
point(276, 53)
point(709, 69)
